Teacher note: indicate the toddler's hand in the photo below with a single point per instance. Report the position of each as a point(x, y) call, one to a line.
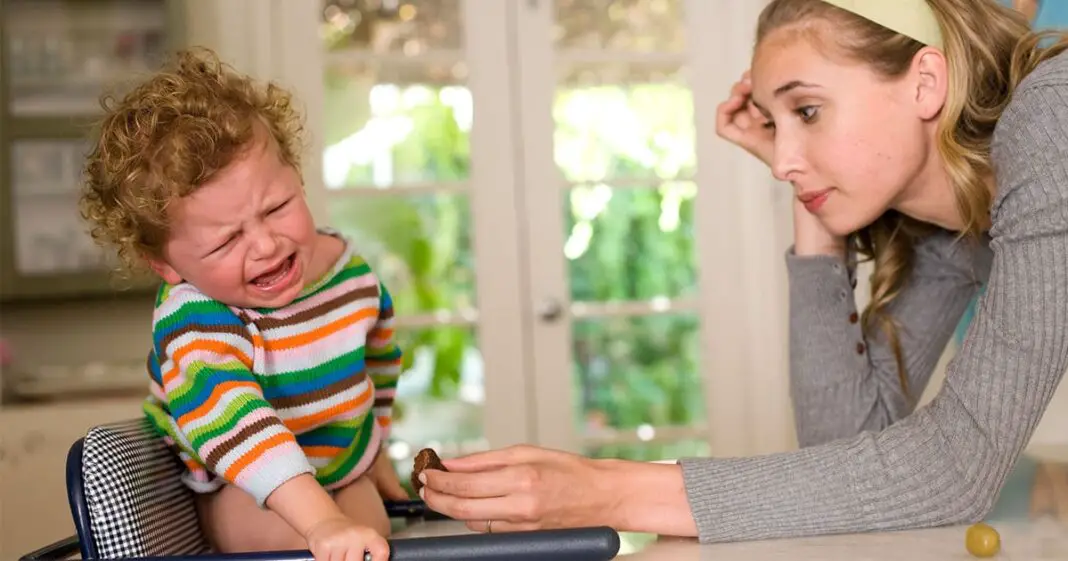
point(341, 539)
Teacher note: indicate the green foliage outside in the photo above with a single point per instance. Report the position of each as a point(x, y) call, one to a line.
point(630, 243)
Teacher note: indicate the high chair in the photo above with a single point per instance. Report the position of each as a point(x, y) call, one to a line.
point(129, 504)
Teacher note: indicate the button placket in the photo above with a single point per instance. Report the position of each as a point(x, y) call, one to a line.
point(844, 296)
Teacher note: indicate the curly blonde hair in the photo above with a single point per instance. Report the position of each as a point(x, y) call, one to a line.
point(989, 49)
point(167, 137)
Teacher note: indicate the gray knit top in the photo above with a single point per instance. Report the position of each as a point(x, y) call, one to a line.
point(867, 460)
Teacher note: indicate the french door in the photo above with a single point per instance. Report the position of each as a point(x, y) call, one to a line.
point(640, 227)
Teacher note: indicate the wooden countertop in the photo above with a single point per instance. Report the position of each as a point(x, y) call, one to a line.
point(1031, 517)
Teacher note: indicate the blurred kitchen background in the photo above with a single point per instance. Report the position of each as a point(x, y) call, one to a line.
point(576, 259)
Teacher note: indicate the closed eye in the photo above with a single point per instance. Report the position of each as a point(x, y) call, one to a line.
point(223, 245)
point(279, 207)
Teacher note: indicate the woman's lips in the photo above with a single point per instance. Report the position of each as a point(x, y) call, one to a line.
point(814, 201)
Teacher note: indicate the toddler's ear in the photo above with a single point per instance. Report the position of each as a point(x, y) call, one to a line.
point(165, 271)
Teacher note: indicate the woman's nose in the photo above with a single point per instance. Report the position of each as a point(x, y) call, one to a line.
point(781, 172)
point(786, 159)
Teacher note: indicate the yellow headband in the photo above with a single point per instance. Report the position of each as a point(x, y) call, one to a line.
point(912, 18)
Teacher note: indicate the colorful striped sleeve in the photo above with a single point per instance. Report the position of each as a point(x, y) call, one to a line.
point(216, 405)
point(383, 360)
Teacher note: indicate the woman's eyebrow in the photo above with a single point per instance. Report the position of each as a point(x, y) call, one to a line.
point(793, 84)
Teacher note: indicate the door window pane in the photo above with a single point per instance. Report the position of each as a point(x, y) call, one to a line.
point(398, 113)
point(389, 125)
point(652, 451)
point(439, 400)
point(411, 27)
point(623, 120)
point(631, 243)
point(623, 25)
point(420, 246)
point(634, 372)
point(624, 146)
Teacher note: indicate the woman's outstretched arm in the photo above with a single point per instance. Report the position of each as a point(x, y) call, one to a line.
point(946, 462)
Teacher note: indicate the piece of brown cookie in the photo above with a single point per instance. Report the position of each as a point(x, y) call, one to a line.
point(425, 459)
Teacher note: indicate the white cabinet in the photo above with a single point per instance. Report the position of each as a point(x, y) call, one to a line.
point(34, 441)
point(58, 59)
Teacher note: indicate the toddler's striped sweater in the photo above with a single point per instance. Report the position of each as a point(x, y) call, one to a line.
point(255, 397)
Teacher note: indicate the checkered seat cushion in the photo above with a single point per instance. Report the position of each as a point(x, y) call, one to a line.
point(137, 505)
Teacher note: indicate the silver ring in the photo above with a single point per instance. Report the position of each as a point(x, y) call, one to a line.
point(489, 526)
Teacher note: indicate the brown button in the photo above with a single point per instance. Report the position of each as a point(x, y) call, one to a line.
point(853, 317)
point(860, 348)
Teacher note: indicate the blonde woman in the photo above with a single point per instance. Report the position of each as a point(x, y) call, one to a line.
point(930, 136)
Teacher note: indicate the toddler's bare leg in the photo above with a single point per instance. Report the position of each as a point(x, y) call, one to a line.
point(233, 523)
point(361, 502)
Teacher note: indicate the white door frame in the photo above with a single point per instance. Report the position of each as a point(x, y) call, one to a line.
point(499, 268)
point(551, 395)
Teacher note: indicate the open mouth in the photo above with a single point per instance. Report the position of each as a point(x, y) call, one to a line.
point(276, 275)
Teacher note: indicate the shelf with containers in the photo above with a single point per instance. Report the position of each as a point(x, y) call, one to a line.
point(57, 58)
